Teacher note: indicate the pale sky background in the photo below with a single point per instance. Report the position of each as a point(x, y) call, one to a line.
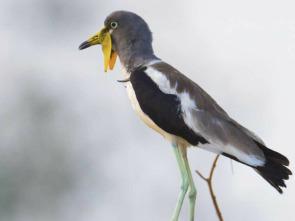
point(72, 148)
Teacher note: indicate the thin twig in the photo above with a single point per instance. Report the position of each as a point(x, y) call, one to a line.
point(209, 182)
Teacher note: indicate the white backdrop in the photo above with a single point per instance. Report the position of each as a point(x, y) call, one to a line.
point(73, 149)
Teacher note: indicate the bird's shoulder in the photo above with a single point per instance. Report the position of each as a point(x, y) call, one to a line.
point(171, 81)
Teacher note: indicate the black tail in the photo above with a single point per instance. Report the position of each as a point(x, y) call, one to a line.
point(274, 170)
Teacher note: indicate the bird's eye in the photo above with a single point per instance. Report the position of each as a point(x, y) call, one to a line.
point(114, 25)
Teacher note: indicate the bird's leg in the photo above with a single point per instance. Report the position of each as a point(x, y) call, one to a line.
point(184, 183)
point(192, 192)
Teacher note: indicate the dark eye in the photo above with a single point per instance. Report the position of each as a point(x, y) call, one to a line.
point(114, 25)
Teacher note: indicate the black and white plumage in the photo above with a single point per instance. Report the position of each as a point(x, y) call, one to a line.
point(181, 111)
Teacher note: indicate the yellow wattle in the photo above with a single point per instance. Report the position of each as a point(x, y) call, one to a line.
point(106, 49)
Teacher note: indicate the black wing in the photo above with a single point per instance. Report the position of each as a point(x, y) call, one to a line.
point(163, 109)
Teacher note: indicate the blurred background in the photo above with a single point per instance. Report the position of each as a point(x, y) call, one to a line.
point(72, 148)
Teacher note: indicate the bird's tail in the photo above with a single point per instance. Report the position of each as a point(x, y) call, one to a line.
point(274, 171)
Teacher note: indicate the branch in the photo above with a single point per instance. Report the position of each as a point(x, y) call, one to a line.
point(209, 182)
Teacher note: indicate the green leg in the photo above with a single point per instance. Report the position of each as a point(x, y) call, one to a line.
point(184, 183)
point(192, 192)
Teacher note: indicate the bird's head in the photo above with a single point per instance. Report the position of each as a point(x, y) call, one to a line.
point(125, 34)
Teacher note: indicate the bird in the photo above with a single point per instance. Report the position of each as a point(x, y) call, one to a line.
point(179, 109)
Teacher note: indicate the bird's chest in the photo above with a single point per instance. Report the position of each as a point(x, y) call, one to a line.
point(136, 106)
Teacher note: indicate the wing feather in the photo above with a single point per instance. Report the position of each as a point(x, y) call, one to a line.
point(205, 117)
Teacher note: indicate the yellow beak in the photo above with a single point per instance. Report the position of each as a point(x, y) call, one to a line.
point(104, 38)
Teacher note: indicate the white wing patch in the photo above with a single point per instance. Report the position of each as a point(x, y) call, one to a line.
point(164, 84)
point(160, 79)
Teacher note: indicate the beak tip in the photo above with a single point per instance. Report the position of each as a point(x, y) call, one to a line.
point(84, 45)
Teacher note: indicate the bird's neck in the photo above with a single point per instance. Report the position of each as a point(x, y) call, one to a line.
point(133, 54)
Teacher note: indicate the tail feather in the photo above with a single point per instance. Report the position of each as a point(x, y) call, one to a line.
point(274, 170)
point(273, 155)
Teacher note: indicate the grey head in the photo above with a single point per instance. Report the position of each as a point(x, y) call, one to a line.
point(131, 39)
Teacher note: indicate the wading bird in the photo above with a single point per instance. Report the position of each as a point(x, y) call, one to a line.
point(179, 109)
